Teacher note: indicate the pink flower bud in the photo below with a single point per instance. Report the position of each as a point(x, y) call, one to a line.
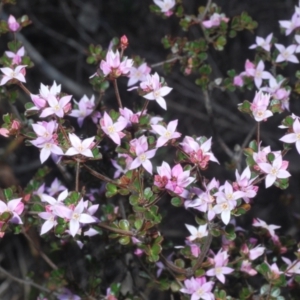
point(15, 125)
point(67, 108)
point(12, 23)
point(124, 42)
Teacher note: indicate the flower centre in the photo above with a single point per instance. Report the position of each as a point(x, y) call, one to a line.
point(168, 134)
point(218, 270)
point(143, 157)
point(156, 94)
point(274, 172)
point(111, 129)
point(76, 216)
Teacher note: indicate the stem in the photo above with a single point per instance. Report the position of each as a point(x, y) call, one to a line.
point(203, 252)
point(269, 293)
point(144, 107)
point(63, 132)
point(167, 61)
point(26, 282)
point(24, 88)
point(116, 230)
point(41, 253)
point(158, 197)
point(77, 176)
point(258, 133)
point(102, 177)
point(117, 93)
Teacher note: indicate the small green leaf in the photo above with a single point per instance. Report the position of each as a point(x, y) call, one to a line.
point(176, 201)
point(124, 225)
point(124, 240)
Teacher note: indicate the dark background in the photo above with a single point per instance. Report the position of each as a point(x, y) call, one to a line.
point(57, 42)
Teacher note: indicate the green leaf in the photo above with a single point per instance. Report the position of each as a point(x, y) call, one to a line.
point(6, 216)
point(138, 224)
point(176, 201)
point(134, 199)
point(253, 145)
point(6, 118)
point(263, 269)
point(124, 240)
point(124, 225)
point(148, 193)
point(8, 193)
point(111, 190)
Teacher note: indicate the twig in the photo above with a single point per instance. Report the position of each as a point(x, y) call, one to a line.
point(117, 93)
point(26, 282)
point(144, 107)
point(41, 253)
point(77, 176)
point(258, 133)
point(102, 177)
point(24, 88)
point(203, 252)
point(167, 61)
point(116, 230)
point(209, 109)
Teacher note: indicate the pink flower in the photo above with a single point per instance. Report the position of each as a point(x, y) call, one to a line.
point(113, 130)
point(215, 20)
point(220, 261)
point(165, 6)
point(15, 207)
point(85, 108)
point(249, 68)
point(270, 228)
point(196, 233)
point(263, 43)
point(199, 288)
point(200, 152)
point(259, 74)
point(274, 170)
point(259, 106)
point(155, 91)
point(10, 74)
point(56, 186)
point(130, 116)
point(238, 80)
point(143, 155)
point(166, 134)
point(56, 106)
point(291, 25)
point(247, 268)
point(4, 132)
point(174, 180)
point(16, 57)
point(80, 147)
point(138, 74)
point(294, 137)
point(76, 217)
point(12, 23)
point(50, 222)
point(244, 184)
point(286, 54)
point(113, 66)
point(292, 267)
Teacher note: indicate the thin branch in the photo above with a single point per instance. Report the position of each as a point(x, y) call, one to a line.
point(204, 251)
point(102, 177)
point(26, 282)
point(209, 109)
point(116, 230)
point(117, 93)
point(77, 176)
point(41, 253)
point(167, 61)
